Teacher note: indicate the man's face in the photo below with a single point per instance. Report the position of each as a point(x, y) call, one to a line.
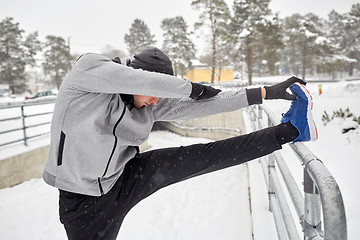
point(144, 101)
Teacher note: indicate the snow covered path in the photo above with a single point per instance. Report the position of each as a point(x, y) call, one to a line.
point(214, 206)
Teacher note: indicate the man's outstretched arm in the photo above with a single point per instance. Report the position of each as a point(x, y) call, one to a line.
point(180, 109)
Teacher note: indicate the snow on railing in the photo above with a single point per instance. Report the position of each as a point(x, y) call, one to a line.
point(322, 197)
point(30, 118)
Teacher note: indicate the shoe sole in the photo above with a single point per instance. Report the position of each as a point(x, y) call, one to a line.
point(310, 118)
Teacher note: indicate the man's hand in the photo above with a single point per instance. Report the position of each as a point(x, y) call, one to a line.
point(200, 92)
point(278, 91)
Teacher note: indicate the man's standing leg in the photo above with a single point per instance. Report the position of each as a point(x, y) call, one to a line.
point(93, 218)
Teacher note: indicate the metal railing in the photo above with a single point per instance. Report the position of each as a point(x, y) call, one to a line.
point(322, 198)
point(22, 129)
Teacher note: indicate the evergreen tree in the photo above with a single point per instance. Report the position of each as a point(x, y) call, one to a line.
point(16, 51)
point(336, 28)
point(352, 37)
point(57, 59)
point(330, 58)
point(269, 45)
point(177, 45)
point(302, 43)
point(139, 37)
point(223, 53)
point(216, 15)
point(32, 47)
point(343, 34)
point(250, 28)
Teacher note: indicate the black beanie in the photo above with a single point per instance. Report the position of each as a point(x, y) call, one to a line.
point(153, 60)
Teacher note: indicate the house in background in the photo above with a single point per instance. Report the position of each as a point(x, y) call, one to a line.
point(202, 73)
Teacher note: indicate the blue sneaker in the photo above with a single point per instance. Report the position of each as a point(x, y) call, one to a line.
point(300, 115)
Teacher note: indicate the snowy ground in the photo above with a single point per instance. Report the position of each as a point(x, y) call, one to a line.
point(213, 206)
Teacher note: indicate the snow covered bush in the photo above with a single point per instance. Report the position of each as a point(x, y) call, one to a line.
point(344, 118)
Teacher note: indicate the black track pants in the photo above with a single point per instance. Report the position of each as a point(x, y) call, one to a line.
point(88, 217)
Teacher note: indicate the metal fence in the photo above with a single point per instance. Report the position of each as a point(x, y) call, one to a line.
point(320, 209)
point(19, 122)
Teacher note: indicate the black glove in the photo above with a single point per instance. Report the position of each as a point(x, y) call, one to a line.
point(200, 92)
point(278, 91)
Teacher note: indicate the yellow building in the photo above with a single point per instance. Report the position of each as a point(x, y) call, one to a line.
point(204, 74)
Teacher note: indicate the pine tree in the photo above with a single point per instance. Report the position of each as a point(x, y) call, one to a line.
point(343, 34)
point(269, 43)
point(330, 57)
point(57, 59)
point(224, 52)
point(139, 37)
point(352, 37)
point(216, 15)
point(177, 44)
point(336, 28)
point(248, 26)
point(302, 43)
point(16, 51)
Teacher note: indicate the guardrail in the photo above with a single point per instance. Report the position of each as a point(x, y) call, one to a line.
point(21, 129)
point(322, 198)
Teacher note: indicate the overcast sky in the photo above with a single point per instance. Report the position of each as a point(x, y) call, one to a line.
point(92, 24)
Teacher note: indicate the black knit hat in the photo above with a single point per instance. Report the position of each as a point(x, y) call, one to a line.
point(153, 60)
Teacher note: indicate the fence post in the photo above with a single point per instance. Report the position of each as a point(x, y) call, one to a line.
point(23, 125)
point(312, 211)
point(271, 165)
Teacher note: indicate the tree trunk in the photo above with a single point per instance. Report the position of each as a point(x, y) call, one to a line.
point(175, 69)
point(219, 74)
point(213, 62)
point(351, 65)
point(9, 80)
point(57, 78)
point(303, 74)
point(303, 69)
point(213, 30)
point(250, 64)
point(351, 69)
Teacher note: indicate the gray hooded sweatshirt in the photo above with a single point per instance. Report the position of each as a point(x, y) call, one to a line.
point(93, 134)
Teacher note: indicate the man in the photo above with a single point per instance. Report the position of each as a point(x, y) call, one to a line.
point(106, 108)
